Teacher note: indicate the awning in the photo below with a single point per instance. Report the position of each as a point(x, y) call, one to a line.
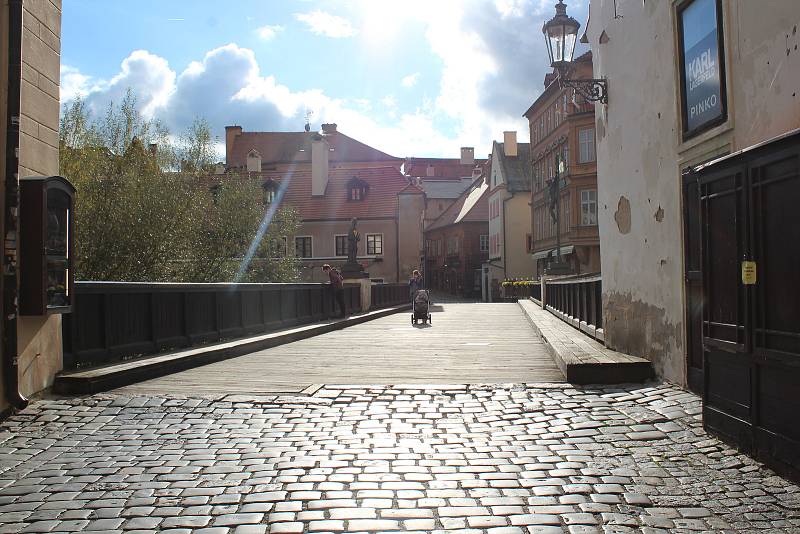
point(566, 249)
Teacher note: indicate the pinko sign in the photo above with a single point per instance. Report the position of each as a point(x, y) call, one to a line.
point(703, 99)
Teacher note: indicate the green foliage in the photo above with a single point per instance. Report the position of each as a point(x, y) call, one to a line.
point(138, 220)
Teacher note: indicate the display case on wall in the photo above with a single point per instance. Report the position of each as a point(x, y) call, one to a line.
point(46, 262)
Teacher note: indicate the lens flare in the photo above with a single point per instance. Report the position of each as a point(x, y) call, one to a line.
point(264, 226)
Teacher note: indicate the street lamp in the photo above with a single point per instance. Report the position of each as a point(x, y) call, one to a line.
point(561, 35)
point(558, 266)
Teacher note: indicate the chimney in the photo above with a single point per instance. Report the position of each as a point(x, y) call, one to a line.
point(467, 155)
point(253, 161)
point(328, 129)
point(510, 143)
point(320, 152)
point(430, 170)
point(231, 133)
point(476, 171)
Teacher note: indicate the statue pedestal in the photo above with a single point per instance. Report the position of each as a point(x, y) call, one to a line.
point(365, 291)
point(353, 270)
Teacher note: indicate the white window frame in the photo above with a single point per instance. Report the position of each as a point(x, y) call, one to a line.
point(586, 202)
point(484, 246)
point(311, 255)
point(366, 242)
point(590, 154)
point(345, 245)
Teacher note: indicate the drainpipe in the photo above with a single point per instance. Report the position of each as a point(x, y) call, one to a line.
point(10, 233)
point(505, 251)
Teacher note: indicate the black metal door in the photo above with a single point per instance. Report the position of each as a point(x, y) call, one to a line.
point(750, 317)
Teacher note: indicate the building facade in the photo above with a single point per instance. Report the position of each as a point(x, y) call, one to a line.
point(510, 177)
point(29, 80)
point(457, 243)
point(562, 129)
point(699, 257)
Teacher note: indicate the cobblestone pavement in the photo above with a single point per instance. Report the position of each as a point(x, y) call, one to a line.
point(497, 459)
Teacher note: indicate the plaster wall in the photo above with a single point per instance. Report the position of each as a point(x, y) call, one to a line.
point(323, 247)
point(640, 152)
point(410, 209)
point(517, 227)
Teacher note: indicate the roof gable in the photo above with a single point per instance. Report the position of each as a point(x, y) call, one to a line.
point(471, 206)
point(288, 147)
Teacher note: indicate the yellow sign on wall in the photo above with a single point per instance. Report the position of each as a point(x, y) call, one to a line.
point(748, 273)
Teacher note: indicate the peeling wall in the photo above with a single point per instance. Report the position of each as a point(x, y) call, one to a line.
point(640, 152)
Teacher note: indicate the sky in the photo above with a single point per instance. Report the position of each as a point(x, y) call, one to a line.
point(409, 77)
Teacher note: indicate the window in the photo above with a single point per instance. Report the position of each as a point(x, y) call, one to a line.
point(277, 248)
point(703, 99)
point(566, 221)
point(341, 245)
point(375, 244)
point(357, 189)
point(588, 207)
point(302, 247)
point(452, 246)
point(484, 243)
point(586, 142)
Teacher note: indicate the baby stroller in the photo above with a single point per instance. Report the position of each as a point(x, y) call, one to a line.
point(422, 301)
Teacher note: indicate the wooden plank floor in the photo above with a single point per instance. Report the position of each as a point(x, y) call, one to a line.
point(467, 343)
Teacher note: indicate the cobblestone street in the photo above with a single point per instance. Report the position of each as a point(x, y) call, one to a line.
point(502, 459)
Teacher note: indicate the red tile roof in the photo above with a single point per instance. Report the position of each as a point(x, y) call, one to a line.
point(287, 147)
point(412, 189)
point(381, 200)
point(471, 206)
point(447, 168)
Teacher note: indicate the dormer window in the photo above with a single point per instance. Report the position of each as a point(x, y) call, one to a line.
point(357, 189)
point(269, 188)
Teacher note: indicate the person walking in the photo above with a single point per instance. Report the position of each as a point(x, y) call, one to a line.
point(414, 283)
point(336, 288)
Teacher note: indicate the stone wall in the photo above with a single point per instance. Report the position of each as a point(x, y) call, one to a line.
point(39, 338)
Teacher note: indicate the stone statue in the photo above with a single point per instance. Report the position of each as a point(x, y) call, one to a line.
point(353, 237)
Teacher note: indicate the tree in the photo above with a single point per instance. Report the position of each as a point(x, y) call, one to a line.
point(137, 219)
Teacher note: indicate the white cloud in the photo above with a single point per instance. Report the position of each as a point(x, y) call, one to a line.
point(268, 32)
point(410, 80)
point(73, 83)
point(323, 23)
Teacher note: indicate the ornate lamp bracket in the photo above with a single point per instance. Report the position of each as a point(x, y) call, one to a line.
point(591, 89)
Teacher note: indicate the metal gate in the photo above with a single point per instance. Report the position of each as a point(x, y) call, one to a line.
point(743, 296)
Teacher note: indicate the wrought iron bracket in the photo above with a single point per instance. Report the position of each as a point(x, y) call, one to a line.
point(592, 89)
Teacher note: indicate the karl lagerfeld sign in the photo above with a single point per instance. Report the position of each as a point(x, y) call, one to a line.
point(703, 100)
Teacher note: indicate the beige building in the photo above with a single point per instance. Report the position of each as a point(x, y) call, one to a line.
point(509, 214)
point(688, 81)
point(32, 356)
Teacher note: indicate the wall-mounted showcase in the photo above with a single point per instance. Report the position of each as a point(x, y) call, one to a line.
point(46, 262)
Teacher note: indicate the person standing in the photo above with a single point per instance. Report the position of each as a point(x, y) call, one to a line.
point(414, 283)
point(336, 288)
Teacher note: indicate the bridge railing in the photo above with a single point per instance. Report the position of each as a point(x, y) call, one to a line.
point(387, 295)
point(578, 301)
point(113, 321)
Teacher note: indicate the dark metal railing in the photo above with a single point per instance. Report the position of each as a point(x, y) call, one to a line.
point(386, 295)
point(114, 321)
point(579, 299)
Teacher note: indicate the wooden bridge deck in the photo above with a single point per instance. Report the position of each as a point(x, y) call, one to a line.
point(467, 343)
